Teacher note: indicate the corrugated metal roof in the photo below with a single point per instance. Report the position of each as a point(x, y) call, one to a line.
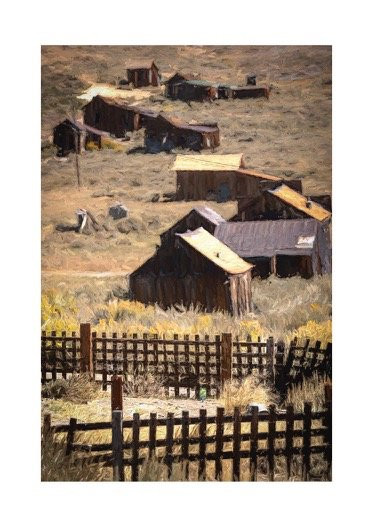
point(260, 175)
point(206, 84)
point(297, 200)
point(215, 251)
point(265, 238)
point(210, 214)
point(208, 162)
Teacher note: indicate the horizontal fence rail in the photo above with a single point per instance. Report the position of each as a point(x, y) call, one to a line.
point(251, 446)
point(185, 363)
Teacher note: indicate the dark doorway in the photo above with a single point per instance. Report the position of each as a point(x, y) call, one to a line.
point(289, 265)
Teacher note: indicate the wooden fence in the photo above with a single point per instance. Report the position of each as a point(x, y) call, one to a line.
point(185, 363)
point(274, 445)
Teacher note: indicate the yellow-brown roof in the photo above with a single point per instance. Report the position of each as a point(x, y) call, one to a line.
point(297, 200)
point(215, 251)
point(260, 175)
point(208, 162)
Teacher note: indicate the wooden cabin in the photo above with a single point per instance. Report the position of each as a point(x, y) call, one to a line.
point(203, 273)
point(281, 202)
point(217, 177)
point(143, 73)
point(73, 136)
point(171, 84)
point(116, 116)
point(167, 132)
point(282, 247)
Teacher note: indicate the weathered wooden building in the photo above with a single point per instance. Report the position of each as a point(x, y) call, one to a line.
point(281, 202)
point(71, 136)
point(198, 217)
point(201, 90)
point(143, 73)
point(203, 273)
point(217, 177)
point(116, 116)
point(282, 247)
point(171, 84)
point(167, 132)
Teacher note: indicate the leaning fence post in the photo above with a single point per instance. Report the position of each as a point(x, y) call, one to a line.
point(117, 444)
point(86, 349)
point(226, 358)
point(116, 393)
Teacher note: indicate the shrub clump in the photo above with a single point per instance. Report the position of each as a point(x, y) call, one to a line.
point(79, 389)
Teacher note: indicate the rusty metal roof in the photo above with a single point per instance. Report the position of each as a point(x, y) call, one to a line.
point(123, 104)
point(208, 162)
point(215, 251)
point(297, 200)
point(183, 75)
point(82, 127)
point(266, 238)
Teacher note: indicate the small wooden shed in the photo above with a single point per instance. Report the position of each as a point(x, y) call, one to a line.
point(143, 73)
point(71, 136)
point(116, 116)
point(167, 132)
point(216, 177)
point(203, 273)
point(171, 84)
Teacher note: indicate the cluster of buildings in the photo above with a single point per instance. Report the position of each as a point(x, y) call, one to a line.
point(204, 260)
point(163, 131)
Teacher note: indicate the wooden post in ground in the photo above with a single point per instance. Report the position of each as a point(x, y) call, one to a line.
point(226, 358)
point(117, 444)
point(86, 349)
point(328, 392)
point(271, 359)
point(116, 393)
point(46, 425)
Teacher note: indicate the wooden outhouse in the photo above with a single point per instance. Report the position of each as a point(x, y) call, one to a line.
point(143, 73)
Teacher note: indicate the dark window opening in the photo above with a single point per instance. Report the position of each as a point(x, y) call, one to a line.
point(287, 265)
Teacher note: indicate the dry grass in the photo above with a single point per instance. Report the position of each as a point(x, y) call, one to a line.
point(310, 390)
point(145, 385)
point(78, 389)
point(242, 393)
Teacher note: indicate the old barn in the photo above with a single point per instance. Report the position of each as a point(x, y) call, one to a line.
point(203, 272)
point(282, 247)
point(143, 73)
point(116, 116)
point(282, 202)
point(167, 132)
point(71, 136)
point(217, 177)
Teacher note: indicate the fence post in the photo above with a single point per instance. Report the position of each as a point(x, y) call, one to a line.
point(117, 444)
point(270, 359)
point(116, 393)
point(226, 358)
point(46, 425)
point(86, 349)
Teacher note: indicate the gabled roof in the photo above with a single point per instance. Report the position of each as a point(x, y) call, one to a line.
point(82, 127)
point(252, 239)
point(208, 162)
point(121, 103)
point(298, 201)
point(144, 64)
point(210, 214)
point(260, 175)
point(215, 251)
point(182, 75)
